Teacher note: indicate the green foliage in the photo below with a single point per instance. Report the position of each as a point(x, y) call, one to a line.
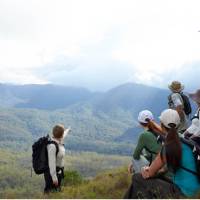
point(86, 176)
point(89, 164)
point(15, 171)
point(72, 178)
point(15, 176)
point(109, 185)
point(92, 130)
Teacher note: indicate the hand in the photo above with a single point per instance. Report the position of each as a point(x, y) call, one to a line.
point(67, 131)
point(130, 168)
point(145, 172)
point(55, 183)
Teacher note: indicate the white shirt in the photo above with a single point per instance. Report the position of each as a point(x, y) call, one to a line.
point(53, 160)
point(195, 126)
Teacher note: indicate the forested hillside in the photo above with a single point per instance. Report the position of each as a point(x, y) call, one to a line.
point(104, 131)
point(100, 122)
point(90, 131)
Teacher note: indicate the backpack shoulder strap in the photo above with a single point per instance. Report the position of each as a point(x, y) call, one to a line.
point(187, 141)
point(198, 113)
point(56, 144)
point(170, 102)
point(181, 97)
point(196, 116)
point(189, 170)
point(151, 152)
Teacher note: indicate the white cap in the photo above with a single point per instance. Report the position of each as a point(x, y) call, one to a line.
point(144, 115)
point(170, 116)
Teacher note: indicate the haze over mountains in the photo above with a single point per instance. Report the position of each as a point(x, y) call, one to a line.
point(130, 96)
point(103, 122)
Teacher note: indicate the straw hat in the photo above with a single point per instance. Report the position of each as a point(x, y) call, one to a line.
point(176, 86)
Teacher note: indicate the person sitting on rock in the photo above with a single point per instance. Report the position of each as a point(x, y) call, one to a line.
point(147, 146)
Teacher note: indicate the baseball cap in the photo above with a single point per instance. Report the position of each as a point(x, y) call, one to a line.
point(170, 116)
point(144, 116)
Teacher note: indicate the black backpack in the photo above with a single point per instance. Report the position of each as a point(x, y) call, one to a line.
point(186, 103)
point(195, 147)
point(40, 155)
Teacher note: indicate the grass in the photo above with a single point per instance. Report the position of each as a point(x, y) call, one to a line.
point(109, 185)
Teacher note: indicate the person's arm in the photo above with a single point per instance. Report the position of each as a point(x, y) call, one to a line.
point(66, 132)
point(155, 166)
point(194, 129)
point(139, 147)
point(51, 149)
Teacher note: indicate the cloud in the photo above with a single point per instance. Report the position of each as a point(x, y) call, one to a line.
point(98, 44)
point(189, 75)
point(94, 68)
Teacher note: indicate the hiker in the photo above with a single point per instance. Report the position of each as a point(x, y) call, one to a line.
point(178, 157)
point(179, 102)
point(54, 175)
point(147, 142)
point(193, 132)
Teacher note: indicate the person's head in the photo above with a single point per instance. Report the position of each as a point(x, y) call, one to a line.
point(176, 87)
point(146, 120)
point(145, 117)
point(169, 119)
point(196, 97)
point(170, 122)
point(58, 131)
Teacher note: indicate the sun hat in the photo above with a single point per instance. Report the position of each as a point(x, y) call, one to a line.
point(176, 86)
point(195, 96)
point(170, 116)
point(144, 116)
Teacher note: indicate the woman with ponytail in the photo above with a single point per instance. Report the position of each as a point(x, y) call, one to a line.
point(147, 142)
point(178, 157)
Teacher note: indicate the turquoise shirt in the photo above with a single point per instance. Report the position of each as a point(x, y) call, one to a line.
point(186, 181)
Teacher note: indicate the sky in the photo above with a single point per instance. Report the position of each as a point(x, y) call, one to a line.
point(100, 44)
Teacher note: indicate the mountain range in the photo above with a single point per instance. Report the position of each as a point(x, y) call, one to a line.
point(104, 134)
point(104, 122)
point(130, 96)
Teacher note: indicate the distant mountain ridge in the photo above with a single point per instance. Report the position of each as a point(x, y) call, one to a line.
point(46, 97)
point(129, 96)
point(104, 122)
point(134, 97)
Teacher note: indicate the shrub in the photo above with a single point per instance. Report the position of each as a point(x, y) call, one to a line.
point(71, 178)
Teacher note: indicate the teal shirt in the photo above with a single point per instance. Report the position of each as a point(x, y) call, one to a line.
point(147, 140)
point(186, 181)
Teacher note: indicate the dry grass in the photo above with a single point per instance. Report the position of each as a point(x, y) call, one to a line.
point(109, 185)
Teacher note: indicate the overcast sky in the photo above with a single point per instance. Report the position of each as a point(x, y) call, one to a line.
point(100, 44)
